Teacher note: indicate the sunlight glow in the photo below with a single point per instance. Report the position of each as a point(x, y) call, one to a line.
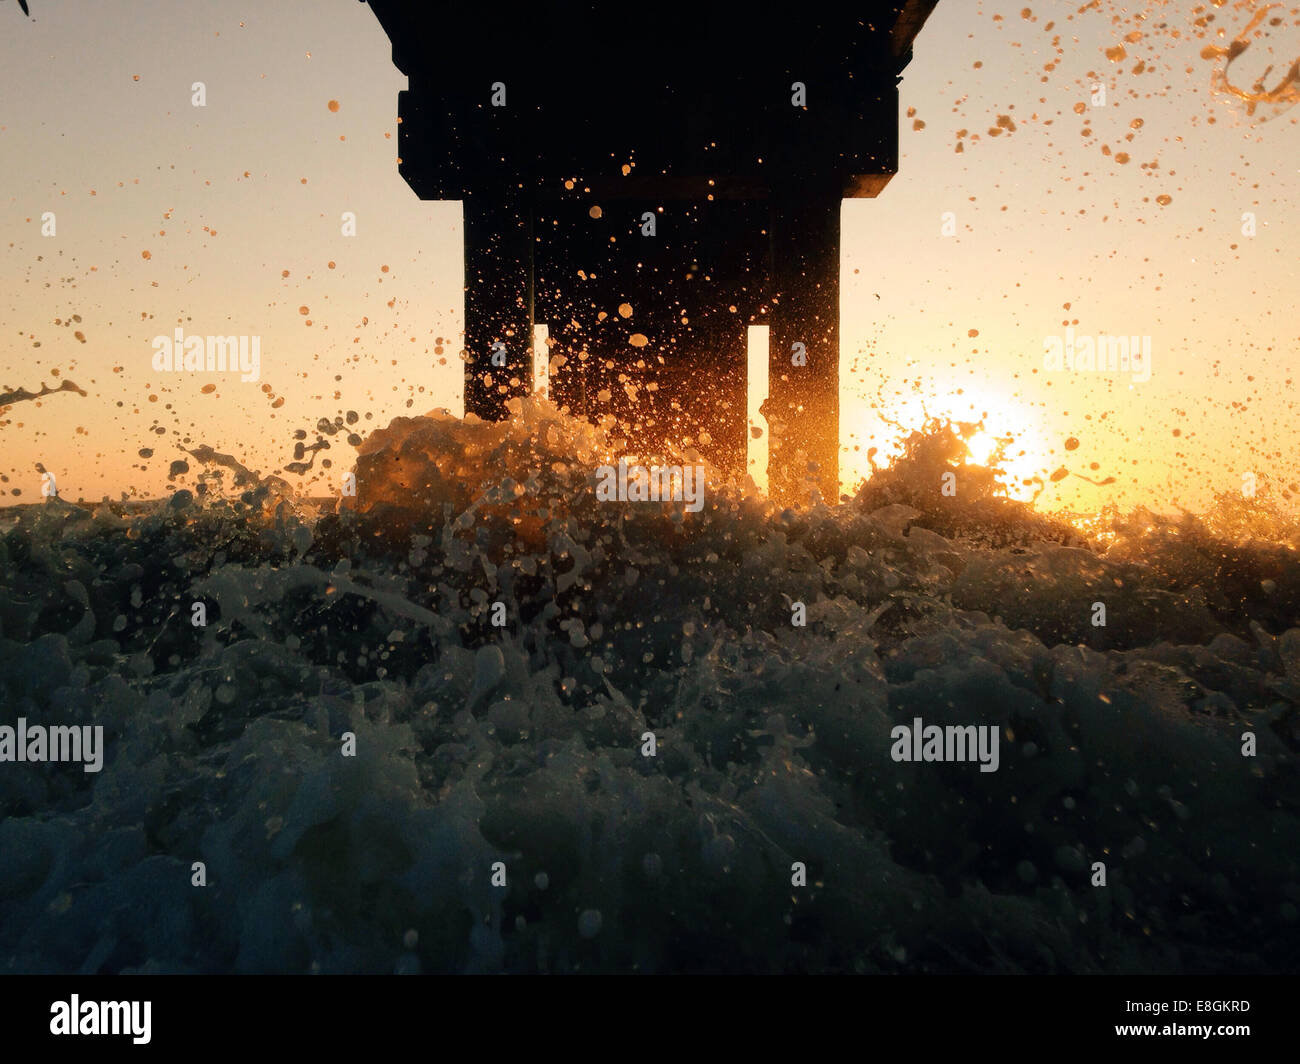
point(982, 446)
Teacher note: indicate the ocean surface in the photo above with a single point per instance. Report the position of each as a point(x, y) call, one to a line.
point(474, 719)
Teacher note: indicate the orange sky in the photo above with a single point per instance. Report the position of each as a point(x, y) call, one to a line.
point(169, 214)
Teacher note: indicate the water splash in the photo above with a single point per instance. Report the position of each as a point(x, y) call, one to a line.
point(1260, 102)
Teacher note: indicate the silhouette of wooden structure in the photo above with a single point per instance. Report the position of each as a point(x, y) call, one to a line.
point(737, 129)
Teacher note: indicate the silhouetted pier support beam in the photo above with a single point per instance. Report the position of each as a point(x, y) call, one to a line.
point(740, 129)
point(803, 405)
point(499, 297)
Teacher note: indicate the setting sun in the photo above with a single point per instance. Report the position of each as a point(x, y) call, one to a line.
point(982, 447)
point(996, 429)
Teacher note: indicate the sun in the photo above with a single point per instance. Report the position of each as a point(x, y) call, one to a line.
point(1004, 433)
point(982, 447)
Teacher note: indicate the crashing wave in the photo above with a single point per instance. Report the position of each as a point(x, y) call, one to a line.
point(523, 743)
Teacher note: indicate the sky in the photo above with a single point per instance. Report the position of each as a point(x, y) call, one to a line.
point(1025, 205)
